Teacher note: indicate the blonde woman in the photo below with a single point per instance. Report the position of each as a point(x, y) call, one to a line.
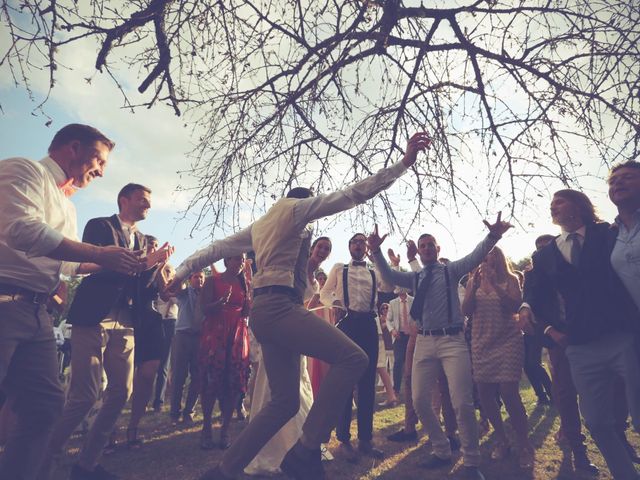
point(492, 298)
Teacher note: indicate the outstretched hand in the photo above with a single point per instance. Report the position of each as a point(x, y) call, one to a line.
point(395, 259)
point(412, 250)
point(499, 228)
point(374, 240)
point(419, 142)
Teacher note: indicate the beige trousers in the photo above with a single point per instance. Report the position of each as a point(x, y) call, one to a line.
point(286, 330)
point(449, 352)
point(109, 346)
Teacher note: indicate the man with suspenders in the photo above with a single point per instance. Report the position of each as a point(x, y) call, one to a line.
point(440, 341)
point(352, 289)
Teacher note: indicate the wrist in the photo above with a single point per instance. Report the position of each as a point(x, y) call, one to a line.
point(96, 254)
point(494, 236)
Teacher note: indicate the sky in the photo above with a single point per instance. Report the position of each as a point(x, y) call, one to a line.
point(152, 147)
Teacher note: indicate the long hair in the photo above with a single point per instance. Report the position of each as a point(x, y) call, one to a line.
point(503, 268)
point(586, 209)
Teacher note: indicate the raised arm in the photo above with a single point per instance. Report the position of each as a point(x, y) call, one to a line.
point(403, 279)
point(460, 267)
point(235, 244)
point(313, 208)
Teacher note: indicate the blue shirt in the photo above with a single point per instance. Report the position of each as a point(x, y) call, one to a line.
point(189, 313)
point(625, 257)
point(435, 313)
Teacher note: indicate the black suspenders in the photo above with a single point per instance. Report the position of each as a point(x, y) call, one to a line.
point(345, 290)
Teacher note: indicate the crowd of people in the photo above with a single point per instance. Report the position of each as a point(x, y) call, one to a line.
point(299, 342)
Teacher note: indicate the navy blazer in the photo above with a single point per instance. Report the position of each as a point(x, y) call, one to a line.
point(584, 302)
point(98, 293)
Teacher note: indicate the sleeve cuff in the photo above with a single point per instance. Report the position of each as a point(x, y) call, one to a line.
point(47, 243)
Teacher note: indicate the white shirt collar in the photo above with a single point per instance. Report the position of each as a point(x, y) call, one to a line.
point(56, 170)
point(125, 226)
point(581, 231)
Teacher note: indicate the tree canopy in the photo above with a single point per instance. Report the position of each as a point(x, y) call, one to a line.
point(277, 90)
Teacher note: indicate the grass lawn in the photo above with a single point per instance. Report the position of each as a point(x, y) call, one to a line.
point(171, 453)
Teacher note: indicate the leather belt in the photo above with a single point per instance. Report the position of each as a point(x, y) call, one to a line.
point(439, 332)
point(19, 293)
point(279, 290)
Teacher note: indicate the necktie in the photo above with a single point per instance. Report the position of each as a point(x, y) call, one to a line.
point(421, 294)
point(576, 248)
point(357, 263)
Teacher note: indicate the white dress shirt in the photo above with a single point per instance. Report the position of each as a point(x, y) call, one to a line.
point(358, 283)
point(564, 244)
point(304, 211)
point(394, 317)
point(35, 216)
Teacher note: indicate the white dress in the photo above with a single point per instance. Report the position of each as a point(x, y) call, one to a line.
point(268, 460)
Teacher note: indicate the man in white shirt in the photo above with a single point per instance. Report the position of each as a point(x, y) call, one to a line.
point(352, 288)
point(398, 323)
point(38, 242)
point(281, 241)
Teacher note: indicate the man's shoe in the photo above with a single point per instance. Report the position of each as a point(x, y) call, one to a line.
point(434, 461)
point(472, 473)
point(346, 451)
point(367, 448)
point(389, 403)
point(581, 463)
point(98, 473)
point(403, 436)
point(301, 463)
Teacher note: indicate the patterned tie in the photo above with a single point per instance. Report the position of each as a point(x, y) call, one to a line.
point(576, 248)
point(421, 294)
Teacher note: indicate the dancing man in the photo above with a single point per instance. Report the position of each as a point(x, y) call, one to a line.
point(285, 329)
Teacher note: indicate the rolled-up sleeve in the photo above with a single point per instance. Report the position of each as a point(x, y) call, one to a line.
point(22, 218)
